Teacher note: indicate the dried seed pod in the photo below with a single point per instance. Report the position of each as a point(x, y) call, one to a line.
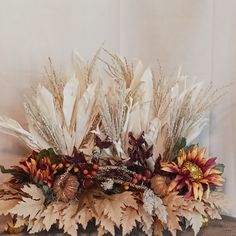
point(160, 184)
point(65, 187)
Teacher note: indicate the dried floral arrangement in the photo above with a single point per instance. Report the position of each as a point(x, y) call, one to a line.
point(117, 151)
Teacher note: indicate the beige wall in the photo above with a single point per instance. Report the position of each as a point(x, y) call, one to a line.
point(199, 35)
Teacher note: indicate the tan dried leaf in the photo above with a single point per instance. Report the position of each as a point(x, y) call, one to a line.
point(7, 205)
point(101, 231)
point(70, 224)
point(36, 226)
point(107, 224)
point(172, 203)
point(146, 220)
point(112, 205)
point(218, 200)
point(20, 221)
point(129, 218)
point(213, 213)
point(36, 202)
point(50, 216)
point(199, 206)
point(157, 228)
point(5, 221)
point(84, 216)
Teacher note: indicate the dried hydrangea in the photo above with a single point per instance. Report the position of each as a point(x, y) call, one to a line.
point(107, 185)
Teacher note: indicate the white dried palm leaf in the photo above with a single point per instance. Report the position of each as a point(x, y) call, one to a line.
point(69, 98)
point(134, 121)
point(86, 112)
point(145, 91)
point(12, 127)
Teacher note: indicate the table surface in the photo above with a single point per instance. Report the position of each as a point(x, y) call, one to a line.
point(226, 227)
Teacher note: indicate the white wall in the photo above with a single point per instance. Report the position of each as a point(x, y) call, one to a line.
point(199, 35)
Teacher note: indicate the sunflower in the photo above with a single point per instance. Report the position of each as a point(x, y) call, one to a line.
point(193, 173)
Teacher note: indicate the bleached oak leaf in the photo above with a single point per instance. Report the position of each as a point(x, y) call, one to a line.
point(129, 218)
point(36, 226)
point(196, 222)
point(50, 216)
point(147, 219)
point(25, 206)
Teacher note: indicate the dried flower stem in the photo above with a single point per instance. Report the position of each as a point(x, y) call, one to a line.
point(121, 182)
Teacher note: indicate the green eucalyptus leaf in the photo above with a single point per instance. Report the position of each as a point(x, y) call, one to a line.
point(220, 167)
point(54, 158)
point(16, 173)
point(180, 144)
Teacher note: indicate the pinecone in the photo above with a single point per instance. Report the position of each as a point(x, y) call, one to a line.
point(65, 187)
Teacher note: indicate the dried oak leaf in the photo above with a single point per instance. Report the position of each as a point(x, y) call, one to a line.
point(34, 201)
point(146, 220)
point(113, 205)
point(50, 215)
point(106, 224)
point(129, 218)
point(84, 216)
point(218, 200)
point(7, 205)
point(157, 228)
point(172, 203)
point(213, 213)
point(69, 219)
point(20, 221)
point(36, 225)
point(101, 231)
point(5, 221)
